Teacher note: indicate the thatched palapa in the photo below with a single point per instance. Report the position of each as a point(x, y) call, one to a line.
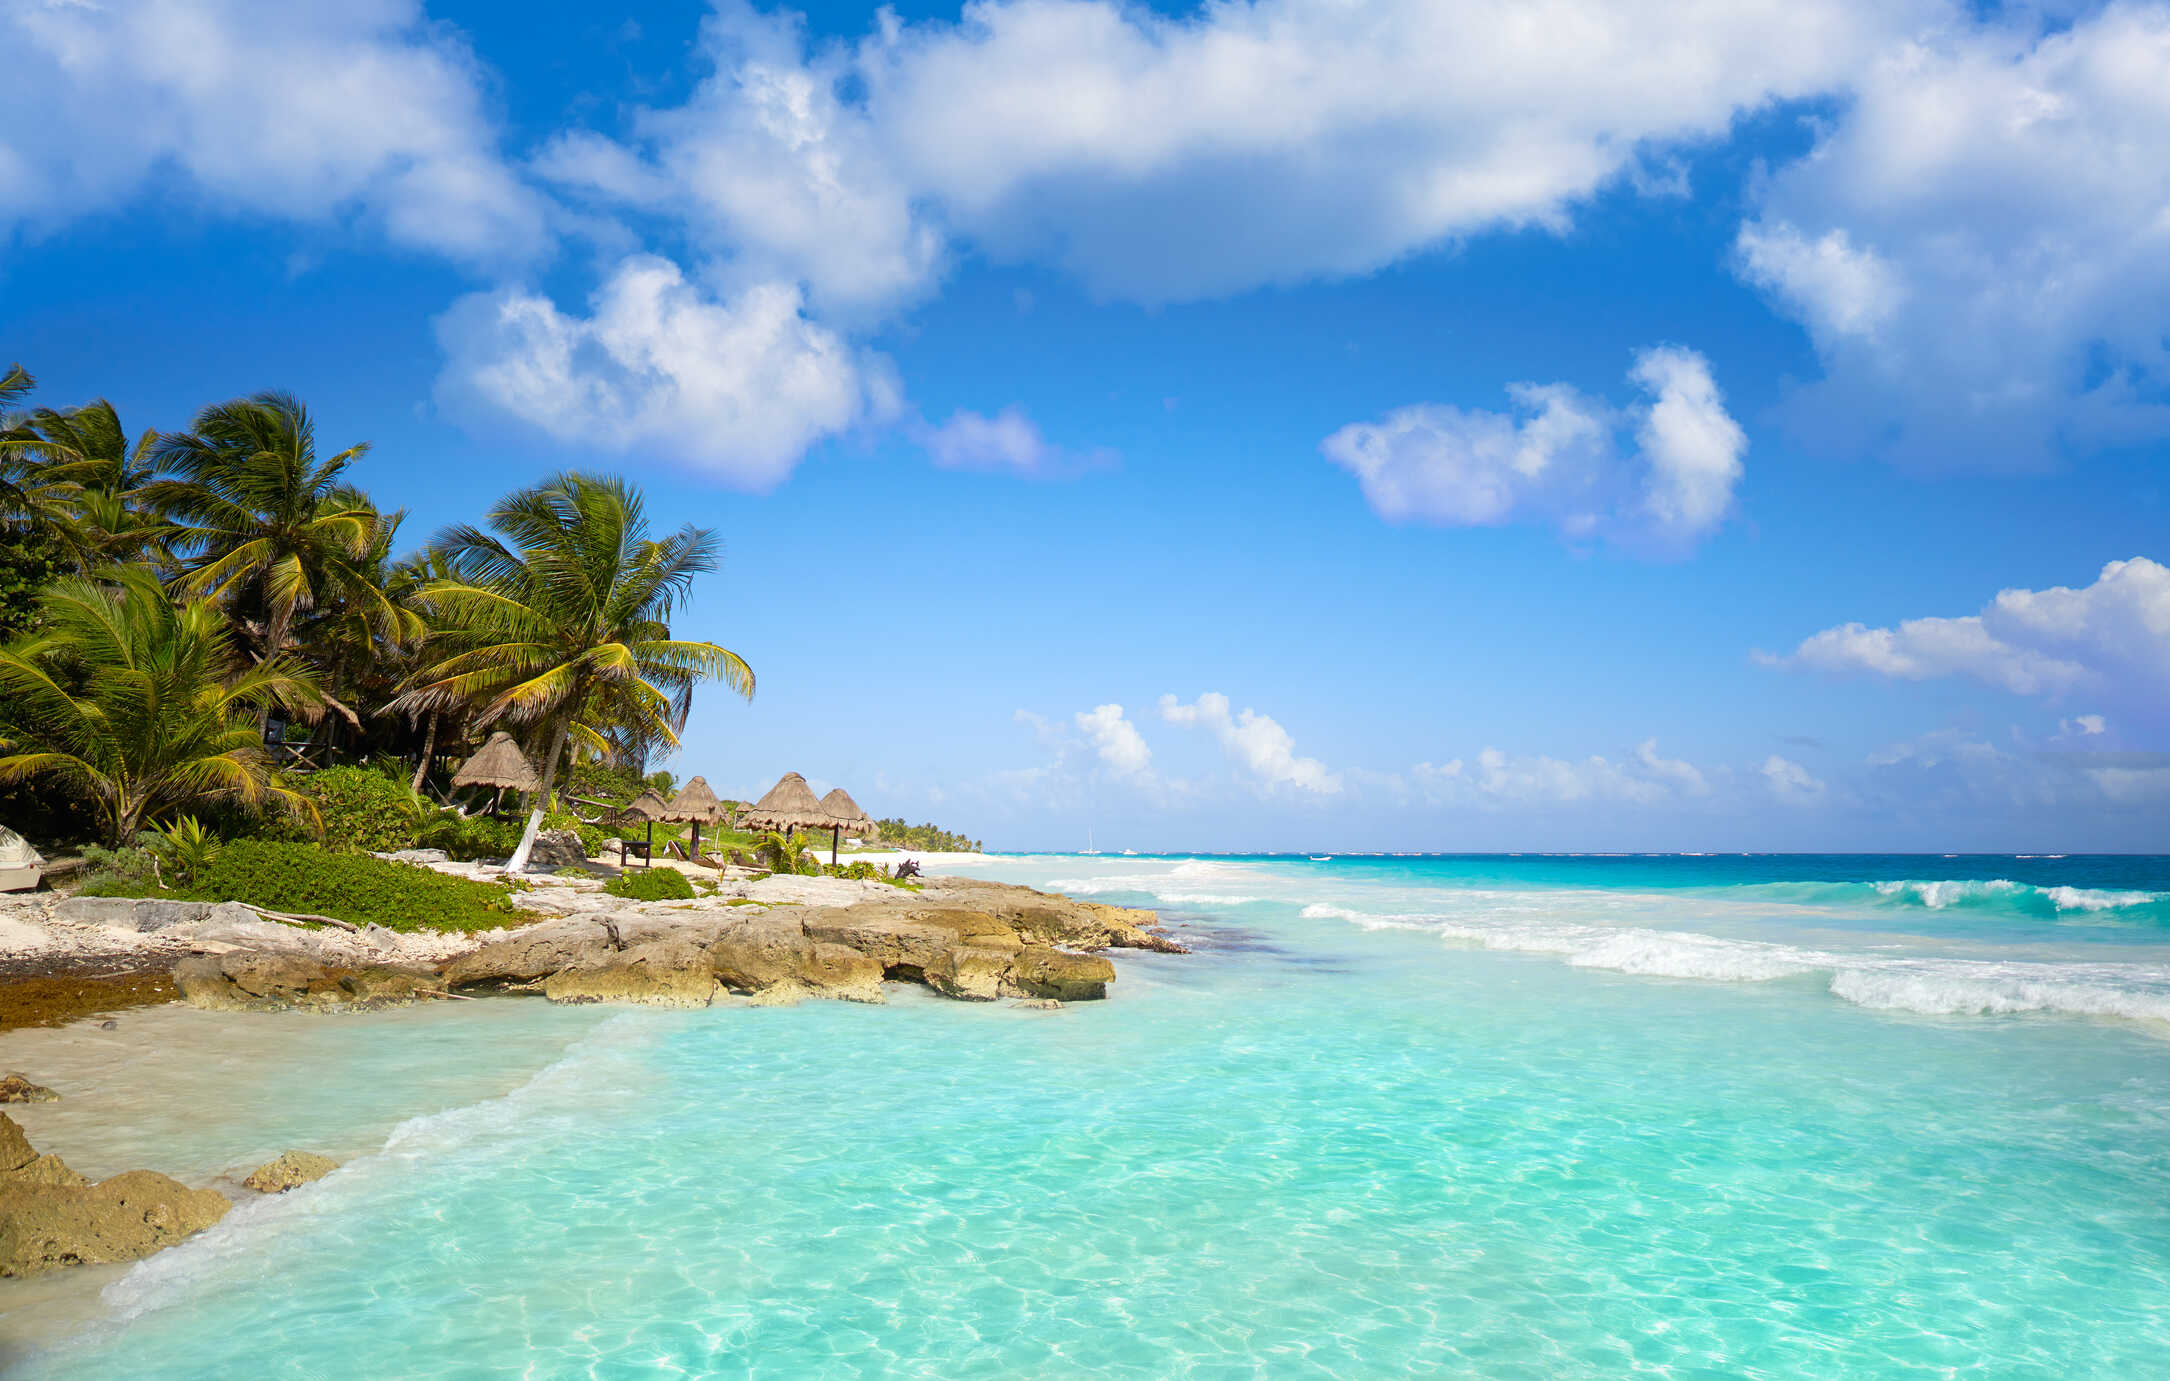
point(789, 805)
point(696, 805)
point(500, 764)
point(841, 806)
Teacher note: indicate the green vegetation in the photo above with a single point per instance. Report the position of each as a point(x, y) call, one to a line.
point(141, 705)
point(309, 879)
point(196, 622)
point(651, 884)
point(898, 835)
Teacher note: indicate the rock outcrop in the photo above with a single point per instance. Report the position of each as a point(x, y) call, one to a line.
point(52, 1217)
point(289, 1171)
point(661, 973)
point(17, 1088)
point(557, 849)
point(277, 981)
point(773, 956)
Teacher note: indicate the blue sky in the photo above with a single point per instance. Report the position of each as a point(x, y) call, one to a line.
point(1480, 427)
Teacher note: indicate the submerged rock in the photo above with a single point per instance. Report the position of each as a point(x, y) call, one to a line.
point(276, 981)
point(289, 1171)
point(1042, 972)
point(17, 1088)
point(52, 1217)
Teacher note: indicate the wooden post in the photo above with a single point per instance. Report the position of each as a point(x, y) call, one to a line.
point(836, 832)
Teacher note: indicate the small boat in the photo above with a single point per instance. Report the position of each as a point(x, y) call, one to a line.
point(21, 866)
point(1130, 853)
point(1317, 859)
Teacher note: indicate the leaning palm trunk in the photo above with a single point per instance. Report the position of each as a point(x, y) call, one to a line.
point(429, 751)
point(518, 862)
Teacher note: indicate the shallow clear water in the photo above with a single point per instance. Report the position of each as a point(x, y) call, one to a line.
point(1464, 1117)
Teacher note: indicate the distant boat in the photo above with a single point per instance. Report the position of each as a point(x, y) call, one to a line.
point(1130, 853)
point(1317, 859)
point(1089, 849)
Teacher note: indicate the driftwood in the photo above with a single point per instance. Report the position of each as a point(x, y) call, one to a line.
point(303, 918)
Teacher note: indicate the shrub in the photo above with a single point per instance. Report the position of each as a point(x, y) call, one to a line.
point(651, 884)
point(187, 848)
point(365, 811)
point(351, 887)
point(479, 836)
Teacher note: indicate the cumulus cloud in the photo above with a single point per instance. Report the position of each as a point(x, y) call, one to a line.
point(1557, 457)
point(1121, 747)
point(2110, 638)
point(1255, 742)
point(1008, 441)
point(1501, 779)
point(1977, 243)
point(313, 113)
point(1165, 158)
point(738, 386)
point(1790, 782)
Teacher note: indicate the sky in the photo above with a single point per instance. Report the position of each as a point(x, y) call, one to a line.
point(1288, 425)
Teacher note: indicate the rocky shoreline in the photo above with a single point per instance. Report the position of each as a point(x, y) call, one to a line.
point(761, 940)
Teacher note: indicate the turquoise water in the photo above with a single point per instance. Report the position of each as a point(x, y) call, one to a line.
point(1501, 1118)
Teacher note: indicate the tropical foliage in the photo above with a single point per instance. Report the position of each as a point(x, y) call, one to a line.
point(195, 620)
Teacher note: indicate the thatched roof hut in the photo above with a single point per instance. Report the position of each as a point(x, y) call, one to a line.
point(695, 804)
point(789, 805)
point(500, 764)
point(841, 806)
point(649, 806)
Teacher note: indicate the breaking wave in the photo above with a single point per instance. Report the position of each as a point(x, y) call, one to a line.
point(1931, 987)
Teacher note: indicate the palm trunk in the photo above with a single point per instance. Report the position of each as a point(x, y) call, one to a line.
point(429, 749)
point(518, 862)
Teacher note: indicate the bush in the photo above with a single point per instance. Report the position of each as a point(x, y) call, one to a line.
point(351, 887)
point(479, 836)
point(365, 811)
point(651, 884)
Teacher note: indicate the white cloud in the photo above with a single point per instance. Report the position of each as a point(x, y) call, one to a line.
point(313, 113)
point(1116, 740)
point(2083, 725)
point(1255, 741)
point(1978, 244)
point(1496, 778)
point(1165, 158)
point(1009, 440)
point(1556, 458)
point(767, 165)
point(740, 387)
point(1790, 782)
point(2111, 638)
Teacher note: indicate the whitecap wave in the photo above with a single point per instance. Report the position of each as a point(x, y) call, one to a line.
point(1931, 987)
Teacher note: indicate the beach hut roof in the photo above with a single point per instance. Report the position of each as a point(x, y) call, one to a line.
point(695, 804)
point(500, 763)
point(789, 805)
point(842, 807)
point(649, 805)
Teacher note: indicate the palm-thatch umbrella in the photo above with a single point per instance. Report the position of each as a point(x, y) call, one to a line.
point(696, 805)
point(790, 805)
point(649, 806)
point(845, 811)
point(500, 764)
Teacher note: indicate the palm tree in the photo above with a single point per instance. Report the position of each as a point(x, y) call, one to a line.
point(265, 524)
point(561, 621)
point(94, 479)
point(143, 705)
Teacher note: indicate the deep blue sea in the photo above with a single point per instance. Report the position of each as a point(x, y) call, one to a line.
point(1511, 1116)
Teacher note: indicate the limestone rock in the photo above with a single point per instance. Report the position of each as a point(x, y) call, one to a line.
point(423, 857)
point(154, 916)
point(1048, 919)
point(289, 1171)
point(661, 973)
point(51, 1217)
point(907, 942)
point(970, 972)
point(534, 951)
point(231, 923)
point(1041, 972)
point(118, 912)
point(773, 954)
point(557, 849)
point(17, 1088)
point(260, 981)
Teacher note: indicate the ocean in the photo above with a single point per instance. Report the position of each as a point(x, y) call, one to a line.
point(1511, 1116)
